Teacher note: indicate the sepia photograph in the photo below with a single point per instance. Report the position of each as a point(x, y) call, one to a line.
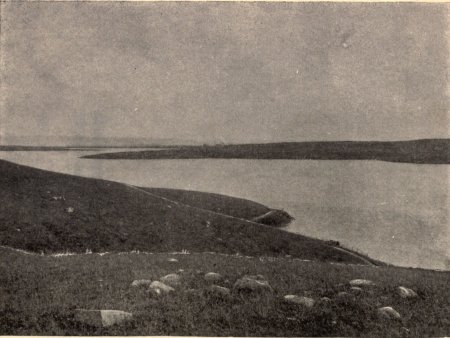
point(231, 168)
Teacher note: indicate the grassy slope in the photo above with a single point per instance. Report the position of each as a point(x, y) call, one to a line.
point(39, 293)
point(433, 151)
point(233, 206)
point(110, 216)
point(236, 207)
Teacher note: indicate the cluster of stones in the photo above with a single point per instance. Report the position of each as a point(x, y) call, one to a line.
point(356, 286)
point(249, 286)
point(214, 278)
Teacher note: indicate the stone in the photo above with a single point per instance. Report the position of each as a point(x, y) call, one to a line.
point(70, 210)
point(356, 289)
point(388, 312)
point(361, 282)
point(218, 291)
point(171, 279)
point(159, 288)
point(304, 301)
point(213, 277)
point(141, 282)
point(113, 317)
point(404, 292)
point(249, 285)
point(102, 318)
point(172, 260)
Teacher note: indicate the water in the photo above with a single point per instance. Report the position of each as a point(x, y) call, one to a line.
point(398, 213)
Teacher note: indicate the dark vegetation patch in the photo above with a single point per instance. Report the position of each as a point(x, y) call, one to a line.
point(39, 294)
point(431, 151)
point(50, 212)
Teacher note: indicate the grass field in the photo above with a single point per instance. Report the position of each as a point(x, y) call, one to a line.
point(135, 233)
point(431, 151)
point(39, 294)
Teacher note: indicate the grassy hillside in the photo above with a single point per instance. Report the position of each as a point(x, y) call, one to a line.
point(236, 207)
point(50, 212)
point(433, 151)
point(39, 294)
point(233, 206)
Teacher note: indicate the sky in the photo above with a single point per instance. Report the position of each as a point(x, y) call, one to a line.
point(224, 72)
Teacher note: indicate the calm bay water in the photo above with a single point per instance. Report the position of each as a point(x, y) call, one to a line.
point(398, 213)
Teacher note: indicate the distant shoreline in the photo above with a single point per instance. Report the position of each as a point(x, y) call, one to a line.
point(426, 151)
point(69, 148)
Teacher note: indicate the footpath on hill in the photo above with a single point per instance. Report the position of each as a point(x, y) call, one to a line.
point(252, 221)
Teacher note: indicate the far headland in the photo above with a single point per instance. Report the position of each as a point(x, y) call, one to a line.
point(424, 151)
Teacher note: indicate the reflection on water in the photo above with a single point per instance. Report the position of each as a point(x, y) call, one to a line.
point(394, 212)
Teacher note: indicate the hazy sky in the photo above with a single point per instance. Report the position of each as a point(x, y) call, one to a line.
point(231, 72)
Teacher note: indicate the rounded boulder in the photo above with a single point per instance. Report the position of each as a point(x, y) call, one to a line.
point(171, 279)
point(405, 292)
point(299, 300)
point(213, 277)
point(249, 285)
point(141, 282)
point(361, 282)
point(159, 288)
point(388, 312)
